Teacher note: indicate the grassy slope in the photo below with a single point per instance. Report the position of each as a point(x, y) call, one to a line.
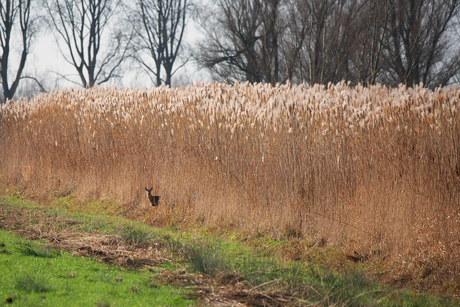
point(251, 271)
point(34, 275)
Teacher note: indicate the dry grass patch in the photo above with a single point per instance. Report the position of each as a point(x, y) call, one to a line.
point(63, 234)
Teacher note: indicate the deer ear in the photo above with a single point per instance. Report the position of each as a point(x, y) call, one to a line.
point(146, 189)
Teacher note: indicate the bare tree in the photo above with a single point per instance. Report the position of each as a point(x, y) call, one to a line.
point(340, 43)
point(322, 41)
point(229, 49)
point(173, 31)
point(328, 32)
point(159, 26)
point(10, 12)
point(293, 41)
point(80, 25)
point(243, 40)
point(371, 41)
point(456, 37)
point(274, 41)
point(270, 39)
point(419, 42)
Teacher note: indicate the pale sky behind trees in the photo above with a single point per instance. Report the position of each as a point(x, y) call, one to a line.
point(45, 60)
point(270, 41)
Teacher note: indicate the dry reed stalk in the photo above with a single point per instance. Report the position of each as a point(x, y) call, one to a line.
point(363, 168)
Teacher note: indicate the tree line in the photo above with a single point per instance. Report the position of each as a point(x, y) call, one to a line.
point(268, 41)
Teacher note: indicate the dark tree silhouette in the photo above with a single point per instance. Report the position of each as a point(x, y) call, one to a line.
point(80, 25)
point(419, 43)
point(14, 13)
point(322, 41)
point(234, 33)
point(159, 26)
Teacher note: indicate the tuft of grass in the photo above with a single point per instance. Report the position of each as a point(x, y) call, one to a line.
point(135, 236)
point(206, 259)
point(103, 303)
point(29, 283)
point(3, 249)
point(41, 251)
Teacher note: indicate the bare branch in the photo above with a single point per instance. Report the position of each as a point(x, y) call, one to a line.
point(160, 29)
point(10, 12)
point(36, 81)
point(80, 25)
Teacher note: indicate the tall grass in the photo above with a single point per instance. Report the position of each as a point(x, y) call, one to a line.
point(371, 169)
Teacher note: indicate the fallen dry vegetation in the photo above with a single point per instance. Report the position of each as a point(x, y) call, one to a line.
point(374, 171)
point(222, 290)
point(61, 233)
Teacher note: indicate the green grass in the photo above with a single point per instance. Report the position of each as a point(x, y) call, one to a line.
point(42, 251)
point(135, 235)
point(206, 259)
point(36, 275)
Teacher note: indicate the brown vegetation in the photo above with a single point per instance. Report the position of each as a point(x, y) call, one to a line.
point(374, 171)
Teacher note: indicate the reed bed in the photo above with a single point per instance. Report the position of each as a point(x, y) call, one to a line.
point(373, 170)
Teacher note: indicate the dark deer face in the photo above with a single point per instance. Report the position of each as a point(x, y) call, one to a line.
point(154, 200)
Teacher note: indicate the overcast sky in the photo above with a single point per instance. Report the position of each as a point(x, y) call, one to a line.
point(45, 62)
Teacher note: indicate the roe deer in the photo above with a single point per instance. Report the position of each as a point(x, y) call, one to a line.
point(154, 199)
